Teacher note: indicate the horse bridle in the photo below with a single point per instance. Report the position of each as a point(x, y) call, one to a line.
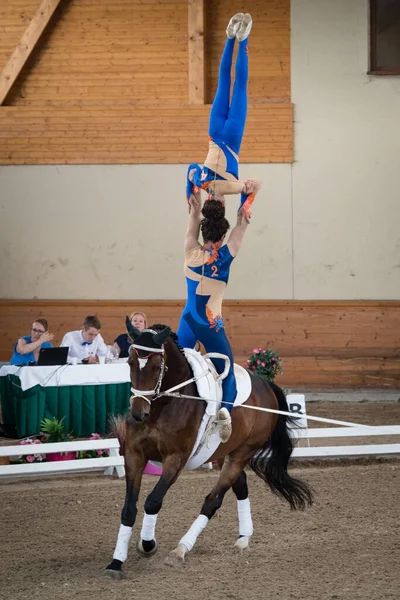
point(155, 392)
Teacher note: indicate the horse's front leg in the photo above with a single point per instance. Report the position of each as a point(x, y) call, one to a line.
point(134, 467)
point(230, 472)
point(172, 466)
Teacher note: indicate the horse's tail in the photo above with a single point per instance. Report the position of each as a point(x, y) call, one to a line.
point(271, 462)
point(117, 427)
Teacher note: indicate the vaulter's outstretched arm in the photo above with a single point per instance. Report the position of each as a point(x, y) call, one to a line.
point(193, 229)
point(236, 237)
point(251, 188)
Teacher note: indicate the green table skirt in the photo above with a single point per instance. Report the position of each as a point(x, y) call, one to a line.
point(86, 408)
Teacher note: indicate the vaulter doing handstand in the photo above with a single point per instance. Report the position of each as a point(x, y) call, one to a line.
point(220, 173)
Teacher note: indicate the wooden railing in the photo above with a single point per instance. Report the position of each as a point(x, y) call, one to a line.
point(322, 344)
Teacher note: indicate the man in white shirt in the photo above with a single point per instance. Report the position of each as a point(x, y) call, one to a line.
point(86, 343)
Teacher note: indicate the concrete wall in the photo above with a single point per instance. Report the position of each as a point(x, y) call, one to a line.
point(326, 227)
point(346, 196)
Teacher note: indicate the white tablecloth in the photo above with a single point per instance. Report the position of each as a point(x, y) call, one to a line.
point(68, 375)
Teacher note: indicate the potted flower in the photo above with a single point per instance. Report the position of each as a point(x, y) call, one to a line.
point(53, 431)
point(264, 362)
point(92, 453)
point(34, 456)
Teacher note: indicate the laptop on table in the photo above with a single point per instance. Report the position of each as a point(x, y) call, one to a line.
point(53, 356)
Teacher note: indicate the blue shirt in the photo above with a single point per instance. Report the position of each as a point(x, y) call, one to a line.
point(124, 344)
point(207, 274)
point(24, 359)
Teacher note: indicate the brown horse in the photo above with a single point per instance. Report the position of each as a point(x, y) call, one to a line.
point(164, 428)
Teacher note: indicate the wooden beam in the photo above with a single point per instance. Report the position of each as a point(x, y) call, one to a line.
point(25, 46)
point(196, 20)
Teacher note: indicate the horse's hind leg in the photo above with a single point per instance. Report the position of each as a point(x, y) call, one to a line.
point(244, 512)
point(230, 472)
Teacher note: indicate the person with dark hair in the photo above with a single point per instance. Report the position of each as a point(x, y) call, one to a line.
point(220, 173)
point(27, 348)
point(207, 271)
point(87, 343)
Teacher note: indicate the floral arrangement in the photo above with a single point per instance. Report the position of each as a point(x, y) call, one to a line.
point(92, 453)
point(53, 430)
point(264, 362)
point(34, 457)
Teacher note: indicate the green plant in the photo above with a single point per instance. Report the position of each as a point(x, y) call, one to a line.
point(264, 362)
point(54, 430)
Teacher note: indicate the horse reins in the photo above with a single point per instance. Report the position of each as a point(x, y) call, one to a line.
point(170, 393)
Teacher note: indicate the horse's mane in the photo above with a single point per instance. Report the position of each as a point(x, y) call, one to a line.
point(173, 336)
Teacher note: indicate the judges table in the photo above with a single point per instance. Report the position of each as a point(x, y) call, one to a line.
point(86, 395)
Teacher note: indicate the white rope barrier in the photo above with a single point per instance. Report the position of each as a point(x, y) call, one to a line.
point(271, 410)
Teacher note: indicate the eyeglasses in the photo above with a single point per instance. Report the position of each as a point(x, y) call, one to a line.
point(38, 330)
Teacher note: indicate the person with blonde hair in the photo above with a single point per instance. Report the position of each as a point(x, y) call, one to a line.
point(122, 342)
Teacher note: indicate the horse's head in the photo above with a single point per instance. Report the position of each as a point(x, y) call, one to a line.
point(147, 360)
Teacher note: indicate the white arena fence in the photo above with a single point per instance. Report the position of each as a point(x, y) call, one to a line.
point(297, 406)
point(81, 465)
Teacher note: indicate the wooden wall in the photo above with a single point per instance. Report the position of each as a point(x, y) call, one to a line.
point(108, 83)
point(322, 344)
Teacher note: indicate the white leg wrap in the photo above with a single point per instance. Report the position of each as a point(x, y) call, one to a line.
point(148, 527)
point(121, 549)
point(245, 521)
point(189, 539)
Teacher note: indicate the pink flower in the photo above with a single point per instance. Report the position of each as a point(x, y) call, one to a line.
point(248, 360)
point(30, 458)
point(272, 359)
point(100, 452)
point(255, 350)
point(263, 364)
point(22, 443)
point(253, 367)
point(37, 442)
point(259, 362)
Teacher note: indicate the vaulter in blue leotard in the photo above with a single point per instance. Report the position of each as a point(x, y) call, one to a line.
point(207, 269)
point(220, 173)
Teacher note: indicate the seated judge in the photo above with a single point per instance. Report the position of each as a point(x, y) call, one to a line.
point(86, 343)
point(27, 348)
point(123, 341)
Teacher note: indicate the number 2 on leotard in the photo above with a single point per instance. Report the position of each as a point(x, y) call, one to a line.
point(214, 270)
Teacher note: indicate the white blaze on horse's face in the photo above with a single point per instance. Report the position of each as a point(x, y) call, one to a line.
point(142, 363)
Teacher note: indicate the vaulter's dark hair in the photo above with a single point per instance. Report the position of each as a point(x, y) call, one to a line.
point(214, 225)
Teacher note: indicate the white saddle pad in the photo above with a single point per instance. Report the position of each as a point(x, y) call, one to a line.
point(209, 388)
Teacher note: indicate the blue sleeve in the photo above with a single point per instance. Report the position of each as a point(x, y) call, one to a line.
point(196, 179)
point(47, 345)
point(120, 339)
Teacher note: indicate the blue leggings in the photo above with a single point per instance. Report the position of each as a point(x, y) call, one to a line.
point(227, 122)
point(190, 331)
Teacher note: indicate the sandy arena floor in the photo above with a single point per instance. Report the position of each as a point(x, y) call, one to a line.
point(58, 534)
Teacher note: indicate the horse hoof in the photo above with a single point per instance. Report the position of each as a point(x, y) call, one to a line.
point(146, 548)
point(112, 574)
point(113, 570)
point(242, 543)
point(176, 558)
